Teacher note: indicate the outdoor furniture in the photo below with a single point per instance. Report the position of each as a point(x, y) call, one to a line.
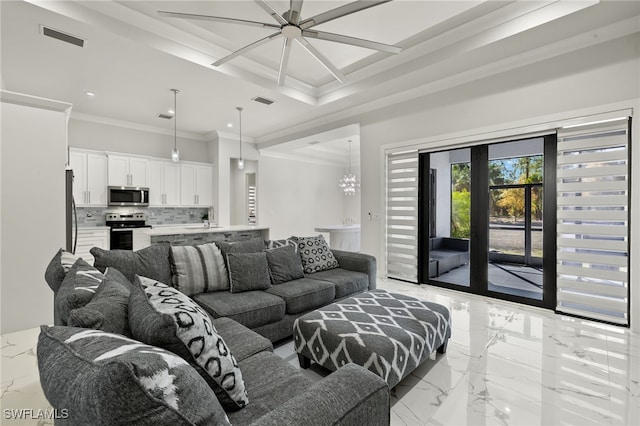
point(388, 333)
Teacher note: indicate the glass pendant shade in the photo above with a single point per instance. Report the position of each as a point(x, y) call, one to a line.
point(175, 155)
point(348, 183)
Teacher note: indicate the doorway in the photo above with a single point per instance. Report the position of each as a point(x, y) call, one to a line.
point(489, 209)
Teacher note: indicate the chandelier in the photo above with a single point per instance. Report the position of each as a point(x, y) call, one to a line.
point(348, 183)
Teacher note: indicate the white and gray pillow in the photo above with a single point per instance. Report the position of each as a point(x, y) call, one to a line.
point(162, 316)
point(284, 264)
point(271, 244)
point(58, 268)
point(100, 378)
point(77, 289)
point(315, 254)
point(198, 269)
point(248, 271)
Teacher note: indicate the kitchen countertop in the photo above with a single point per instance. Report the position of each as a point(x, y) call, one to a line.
point(338, 228)
point(199, 229)
point(93, 228)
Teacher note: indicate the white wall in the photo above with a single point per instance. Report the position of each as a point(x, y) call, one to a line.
point(591, 81)
point(33, 208)
point(294, 197)
point(111, 137)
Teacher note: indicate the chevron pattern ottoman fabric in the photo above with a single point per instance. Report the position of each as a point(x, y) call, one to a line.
point(387, 333)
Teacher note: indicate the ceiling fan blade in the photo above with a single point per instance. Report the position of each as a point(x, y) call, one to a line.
point(322, 35)
point(271, 11)
point(321, 58)
point(246, 49)
point(295, 6)
point(284, 60)
point(217, 19)
point(339, 12)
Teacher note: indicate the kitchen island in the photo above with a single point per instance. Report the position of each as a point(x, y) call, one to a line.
point(194, 234)
point(342, 237)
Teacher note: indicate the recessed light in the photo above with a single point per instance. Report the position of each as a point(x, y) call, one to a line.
point(90, 94)
point(171, 111)
point(229, 124)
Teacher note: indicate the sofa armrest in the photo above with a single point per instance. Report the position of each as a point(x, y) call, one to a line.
point(358, 262)
point(351, 396)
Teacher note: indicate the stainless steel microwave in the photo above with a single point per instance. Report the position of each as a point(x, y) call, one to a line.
point(128, 196)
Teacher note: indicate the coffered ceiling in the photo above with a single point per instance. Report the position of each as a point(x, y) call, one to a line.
point(133, 56)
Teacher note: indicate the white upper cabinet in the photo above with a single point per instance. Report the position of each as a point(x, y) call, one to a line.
point(89, 177)
point(196, 184)
point(164, 183)
point(128, 171)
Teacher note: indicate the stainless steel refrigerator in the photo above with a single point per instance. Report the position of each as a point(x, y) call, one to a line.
point(71, 215)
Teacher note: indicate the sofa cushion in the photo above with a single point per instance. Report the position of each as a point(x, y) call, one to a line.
point(271, 381)
point(248, 271)
point(346, 282)
point(252, 245)
point(251, 308)
point(162, 316)
point(304, 294)
point(108, 309)
point(198, 269)
point(242, 341)
point(152, 261)
point(315, 254)
point(104, 378)
point(58, 268)
point(284, 264)
point(77, 289)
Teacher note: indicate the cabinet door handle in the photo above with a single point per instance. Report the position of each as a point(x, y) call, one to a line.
point(89, 192)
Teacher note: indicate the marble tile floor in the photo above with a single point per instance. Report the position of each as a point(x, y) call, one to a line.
point(506, 364)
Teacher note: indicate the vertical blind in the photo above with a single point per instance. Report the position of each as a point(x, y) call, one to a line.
point(402, 216)
point(593, 221)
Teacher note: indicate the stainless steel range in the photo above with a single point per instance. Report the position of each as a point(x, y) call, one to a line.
point(122, 226)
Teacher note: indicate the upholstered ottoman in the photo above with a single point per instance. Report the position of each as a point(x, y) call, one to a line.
point(387, 333)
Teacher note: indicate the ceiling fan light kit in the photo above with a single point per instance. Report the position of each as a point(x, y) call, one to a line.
point(292, 28)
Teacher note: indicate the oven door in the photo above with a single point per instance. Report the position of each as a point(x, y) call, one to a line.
point(121, 238)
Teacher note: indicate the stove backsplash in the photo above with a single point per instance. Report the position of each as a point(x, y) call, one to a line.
point(95, 216)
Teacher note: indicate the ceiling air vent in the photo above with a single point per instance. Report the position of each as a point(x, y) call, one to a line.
point(262, 100)
point(59, 35)
point(165, 116)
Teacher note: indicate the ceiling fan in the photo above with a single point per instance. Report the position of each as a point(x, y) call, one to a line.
point(292, 27)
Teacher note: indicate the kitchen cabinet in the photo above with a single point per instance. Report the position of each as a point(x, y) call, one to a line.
point(164, 183)
point(91, 237)
point(196, 184)
point(89, 177)
point(128, 171)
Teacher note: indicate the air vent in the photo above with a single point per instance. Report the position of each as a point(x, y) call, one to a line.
point(262, 100)
point(59, 35)
point(165, 116)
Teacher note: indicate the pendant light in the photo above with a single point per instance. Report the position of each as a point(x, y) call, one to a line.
point(240, 160)
point(175, 154)
point(348, 183)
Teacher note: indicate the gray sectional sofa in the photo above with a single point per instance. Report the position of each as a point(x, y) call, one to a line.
point(94, 370)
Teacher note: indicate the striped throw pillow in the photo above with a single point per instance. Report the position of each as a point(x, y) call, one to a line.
point(198, 269)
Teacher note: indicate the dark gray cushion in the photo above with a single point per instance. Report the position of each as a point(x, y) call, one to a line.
point(248, 271)
point(242, 341)
point(315, 254)
point(251, 308)
point(252, 245)
point(162, 316)
point(304, 294)
point(58, 268)
point(100, 378)
point(271, 381)
point(284, 264)
point(77, 289)
point(108, 309)
point(198, 269)
point(152, 261)
point(346, 282)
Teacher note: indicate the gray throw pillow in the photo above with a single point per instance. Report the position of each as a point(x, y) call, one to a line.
point(58, 268)
point(252, 245)
point(284, 264)
point(99, 378)
point(77, 289)
point(270, 244)
point(108, 309)
point(198, 269)
point(152, 261)
point(161, 316)
point(315, 254)
point(248, 271)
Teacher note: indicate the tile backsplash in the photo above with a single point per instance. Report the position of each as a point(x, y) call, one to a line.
point(95, 216)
